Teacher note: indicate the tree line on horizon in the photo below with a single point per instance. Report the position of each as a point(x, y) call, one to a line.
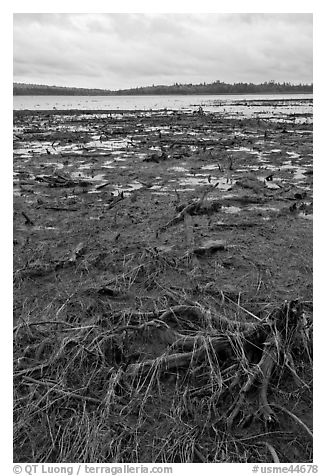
point(217, 87)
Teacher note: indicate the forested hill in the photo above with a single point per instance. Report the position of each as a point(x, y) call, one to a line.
point(217, 87)
point(21, 89)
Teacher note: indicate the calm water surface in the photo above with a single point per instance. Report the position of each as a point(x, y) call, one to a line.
point(224, 103)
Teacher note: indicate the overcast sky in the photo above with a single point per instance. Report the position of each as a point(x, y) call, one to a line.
point(125, 50)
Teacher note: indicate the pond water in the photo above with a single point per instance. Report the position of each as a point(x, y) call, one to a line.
point(244, 104)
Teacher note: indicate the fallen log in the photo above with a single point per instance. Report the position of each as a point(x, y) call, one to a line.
point(210, 247)
point(61, 209)
point(28, 221)
point(115, 201)
point(61, 181)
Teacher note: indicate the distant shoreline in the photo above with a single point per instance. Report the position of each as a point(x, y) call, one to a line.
point(177, 89)
point(168, 94)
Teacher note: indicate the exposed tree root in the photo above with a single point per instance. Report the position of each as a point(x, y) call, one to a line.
point(262, 372)
point(295, 418)
point(272, 451)
point(238, 342)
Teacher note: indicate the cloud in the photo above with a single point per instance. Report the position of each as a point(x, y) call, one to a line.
point(126, 50)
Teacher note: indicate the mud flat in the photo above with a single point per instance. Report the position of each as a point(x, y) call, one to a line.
point(162, 286)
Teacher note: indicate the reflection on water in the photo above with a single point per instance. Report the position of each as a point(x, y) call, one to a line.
point(307, 216)
point(180, 169)
point(224, 183)
point(81, 175)
point(231, 209)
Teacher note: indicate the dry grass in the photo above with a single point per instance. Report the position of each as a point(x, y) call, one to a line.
point(180, 382)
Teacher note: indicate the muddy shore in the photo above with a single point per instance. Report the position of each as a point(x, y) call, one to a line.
point(117, 213)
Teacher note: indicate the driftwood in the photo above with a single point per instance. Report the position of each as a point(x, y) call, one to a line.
point(178, 218)
point(115, 201)
point(28, 221)
point(61, 209)
point(61, 181)
point(226, 226)
point(197, 207)
point(201, 208)
point(157, 158)
point(75, 253)
point(210, 247)
point(103, 185)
